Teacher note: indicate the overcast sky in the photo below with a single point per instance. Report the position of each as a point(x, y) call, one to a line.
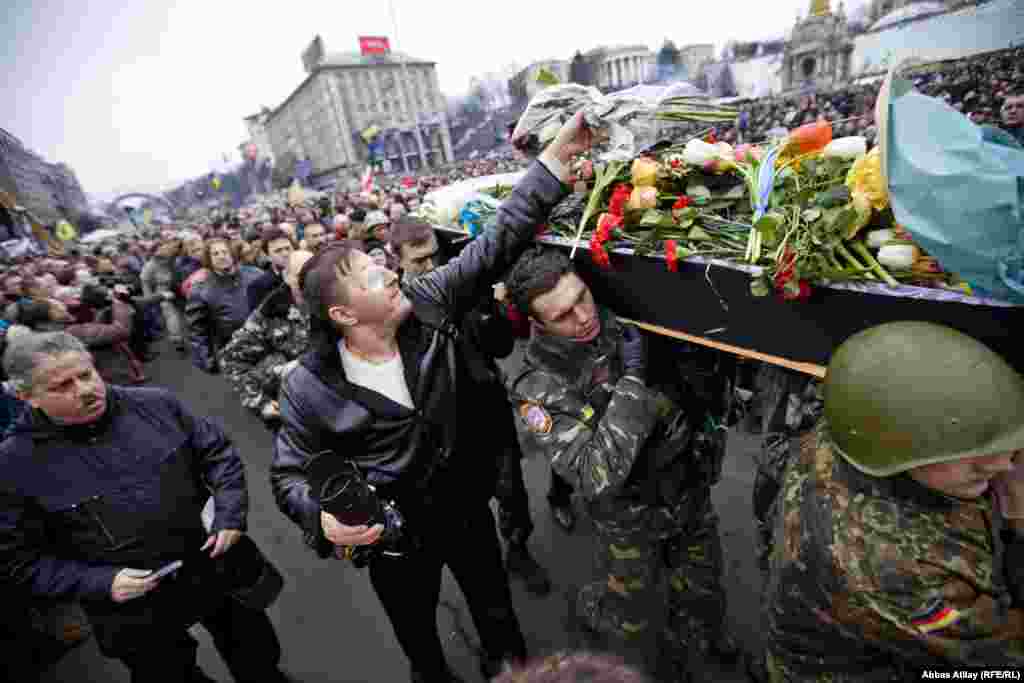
point(140, 96)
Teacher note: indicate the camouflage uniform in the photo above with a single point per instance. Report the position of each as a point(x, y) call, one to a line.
point(789, 404)
point(276, 333)
point(873, 578)
point(640, 465)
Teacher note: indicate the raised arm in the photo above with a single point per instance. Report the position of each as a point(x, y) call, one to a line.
point(460, 284)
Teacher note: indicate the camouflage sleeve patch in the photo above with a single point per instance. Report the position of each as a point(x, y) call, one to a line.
point(593, 452)
point(536, 419)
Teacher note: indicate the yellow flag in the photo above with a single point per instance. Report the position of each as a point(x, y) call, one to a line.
point(65, 231)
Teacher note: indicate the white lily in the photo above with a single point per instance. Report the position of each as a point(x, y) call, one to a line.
point(898, 256)
point(851, 147)
point(698, 152)
point(877, 238)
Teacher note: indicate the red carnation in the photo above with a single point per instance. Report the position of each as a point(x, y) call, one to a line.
point(786, 269)
point(598, 253)
point(682, 202)
point(676, 163)
point(802, 292)
point(671, 255)
point(620, 195)
point(711, 139)
point(606, 224)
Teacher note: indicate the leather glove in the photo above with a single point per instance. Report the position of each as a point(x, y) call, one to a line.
point(634, 352)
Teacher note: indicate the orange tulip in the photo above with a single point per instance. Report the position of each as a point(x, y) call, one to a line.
point(810, 137)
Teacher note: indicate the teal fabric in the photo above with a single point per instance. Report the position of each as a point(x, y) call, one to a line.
point(959, 189)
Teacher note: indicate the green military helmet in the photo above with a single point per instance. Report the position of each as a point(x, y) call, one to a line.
point(907, 394)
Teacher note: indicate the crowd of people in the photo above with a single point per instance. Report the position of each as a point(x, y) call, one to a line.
point(342, 328)
point(982, 87)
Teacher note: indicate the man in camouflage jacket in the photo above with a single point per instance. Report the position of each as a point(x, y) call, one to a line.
point(264, 349)
point(644, 468)
point(892, 555)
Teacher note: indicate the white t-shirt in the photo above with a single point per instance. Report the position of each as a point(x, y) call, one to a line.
point(386, 378)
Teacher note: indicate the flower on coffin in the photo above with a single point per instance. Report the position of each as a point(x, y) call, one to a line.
point(852, 147)
point(598, 253)
point(717, 158)
point(810, 137)
point(619, 198)
point(898, 256)
point(747, 153)
point(606, 223)
point(865, 177)
point(643, 198)
point(796, 290)
point(679, 206)
point(644, 172)
point(672, 255)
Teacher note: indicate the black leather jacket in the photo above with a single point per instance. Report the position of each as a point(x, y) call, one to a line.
point(218, 306)
point(440, 451)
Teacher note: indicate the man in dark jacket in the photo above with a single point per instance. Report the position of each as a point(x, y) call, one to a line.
point(489, 336)
point(379, 390)
point(218, 305)
point(278, 247)
point(104, 485)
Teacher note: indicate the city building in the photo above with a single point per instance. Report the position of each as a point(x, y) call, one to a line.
point(883, 14)
point(523, 86)
point(347, 100)
point(693, 58)
point(49, 191)
point(819, 50)
point(615, 68)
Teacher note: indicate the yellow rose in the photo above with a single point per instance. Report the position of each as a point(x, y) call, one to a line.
point(643, 198)
point(645, 172)
point(865, 177)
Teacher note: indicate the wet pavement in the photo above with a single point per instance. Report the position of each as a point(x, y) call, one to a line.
point(331, 627)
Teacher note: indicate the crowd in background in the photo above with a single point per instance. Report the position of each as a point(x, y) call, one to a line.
point(977, 86)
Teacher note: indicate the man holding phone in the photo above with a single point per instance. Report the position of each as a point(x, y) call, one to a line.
point(101, 493)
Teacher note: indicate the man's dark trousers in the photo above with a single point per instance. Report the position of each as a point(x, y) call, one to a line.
point(244, 637)
point(409, 587)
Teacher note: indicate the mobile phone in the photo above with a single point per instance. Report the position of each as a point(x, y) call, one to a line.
point(165, 570)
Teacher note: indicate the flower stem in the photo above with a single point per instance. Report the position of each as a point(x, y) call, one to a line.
point(874, 264)
point(845, 253)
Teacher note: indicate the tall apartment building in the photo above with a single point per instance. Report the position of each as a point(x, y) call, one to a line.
point(346, 94)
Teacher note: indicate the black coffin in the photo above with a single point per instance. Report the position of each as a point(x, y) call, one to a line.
point(643, 289)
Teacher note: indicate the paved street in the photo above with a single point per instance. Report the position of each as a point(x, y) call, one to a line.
point(331, 627)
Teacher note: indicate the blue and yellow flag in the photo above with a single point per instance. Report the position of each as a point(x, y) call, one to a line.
point(957, 187)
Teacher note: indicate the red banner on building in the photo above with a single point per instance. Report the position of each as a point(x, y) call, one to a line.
point(374, 45)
